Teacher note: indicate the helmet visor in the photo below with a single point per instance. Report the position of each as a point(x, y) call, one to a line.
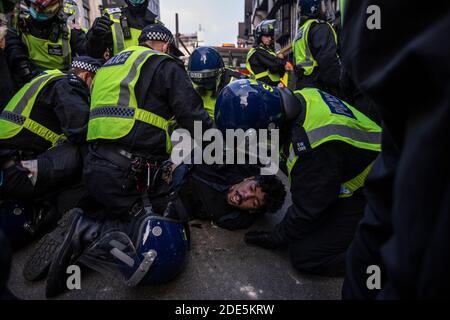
point(115, 256)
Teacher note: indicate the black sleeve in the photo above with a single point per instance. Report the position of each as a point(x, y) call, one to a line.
point(184, 101)
point(17, 57)
point(315, 187)
point(71, 105)
point(78, 42)
point(96, 46)
point(324, 50)
point(274, 64)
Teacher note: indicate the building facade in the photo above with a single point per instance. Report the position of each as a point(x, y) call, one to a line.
point(88, 10)
point(286, 14)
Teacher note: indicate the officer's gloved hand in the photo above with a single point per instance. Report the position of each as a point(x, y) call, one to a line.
point(267, 240)
point(102, 26)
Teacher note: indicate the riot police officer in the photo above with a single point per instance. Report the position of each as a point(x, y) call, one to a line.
point(43, 41)
point(120, 28)
point(329, 148)
point(129, 129)
point(316, 60)
point(262, 61)
point(51, 110)
point(209, 75)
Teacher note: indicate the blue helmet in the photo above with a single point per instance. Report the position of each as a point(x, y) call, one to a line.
point(205, 68)
point(250, 104)
point(154, 253)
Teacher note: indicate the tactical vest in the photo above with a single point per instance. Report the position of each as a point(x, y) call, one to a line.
point(119, 41)
point(47, 55)
point(16, 116)
point(272, 76)
point(330, 119)
point(114, 106)
point(300, 47)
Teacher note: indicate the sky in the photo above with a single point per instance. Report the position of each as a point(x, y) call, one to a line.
point(219, 19)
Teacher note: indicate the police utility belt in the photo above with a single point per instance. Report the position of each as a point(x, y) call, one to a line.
point(143, 170)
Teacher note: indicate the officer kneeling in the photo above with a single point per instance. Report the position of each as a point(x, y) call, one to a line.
point(42, 130)
point(329, 148)
point(133, 97)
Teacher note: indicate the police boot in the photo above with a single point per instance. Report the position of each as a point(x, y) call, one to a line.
point(36, 267)
point(81, 232)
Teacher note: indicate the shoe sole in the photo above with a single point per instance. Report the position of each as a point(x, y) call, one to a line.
point(36, 267)
point(54, 284)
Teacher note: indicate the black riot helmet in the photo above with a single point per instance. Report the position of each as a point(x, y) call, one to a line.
point(265, 28)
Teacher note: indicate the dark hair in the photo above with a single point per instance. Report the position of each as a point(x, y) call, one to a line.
point(275, 193)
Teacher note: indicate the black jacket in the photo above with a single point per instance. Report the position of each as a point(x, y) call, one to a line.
point(316, 184)
point(404, 69)
point(138, 17)
point(6, 84)
point(165, 89)
point(262, 61)
point(323, 48)
point(17, 51)
point(205, 195)
point(63, 107)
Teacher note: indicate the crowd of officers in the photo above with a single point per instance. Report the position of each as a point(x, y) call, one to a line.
point(86, 109)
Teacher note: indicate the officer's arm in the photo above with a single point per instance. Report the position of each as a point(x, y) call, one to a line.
point(274, 64)
point(184, 101)
point(78, 42)
point(71, 105)
point(316, 179)
point(17, 57)
point(324, 49)
point(96, 46)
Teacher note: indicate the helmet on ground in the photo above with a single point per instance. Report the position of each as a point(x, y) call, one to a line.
point(205, 68)
point(154, 252)
point(42, 10)
point(250, 104)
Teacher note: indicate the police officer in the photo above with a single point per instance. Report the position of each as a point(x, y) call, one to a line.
point(7, 84)
point(316, 59)
point(51, 110)
point(209, 75)
point(262, 61)
point(134, 96)
point(329, 149)
point(43, 41)
point(120, 28)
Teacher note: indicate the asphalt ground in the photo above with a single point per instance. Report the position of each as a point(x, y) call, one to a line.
point(221, 266)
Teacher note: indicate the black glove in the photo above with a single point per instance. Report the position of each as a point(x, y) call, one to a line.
point(263, 239)
point(102, 26)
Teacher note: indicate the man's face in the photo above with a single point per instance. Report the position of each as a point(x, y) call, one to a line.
point(267, 40)
point(246, 196)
